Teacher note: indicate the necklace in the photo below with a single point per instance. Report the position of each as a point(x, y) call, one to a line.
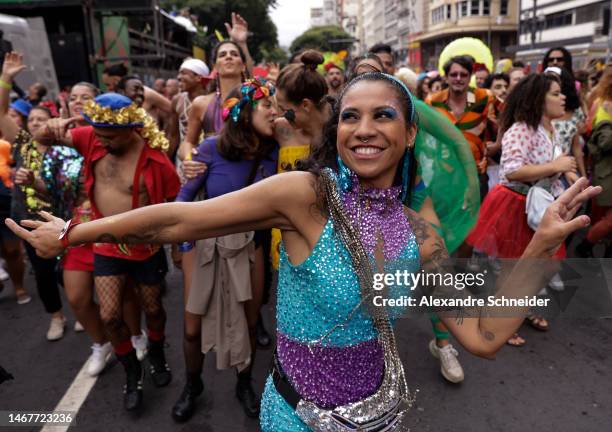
point(32, 160)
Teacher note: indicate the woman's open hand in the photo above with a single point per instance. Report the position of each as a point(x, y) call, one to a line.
point(559, 222)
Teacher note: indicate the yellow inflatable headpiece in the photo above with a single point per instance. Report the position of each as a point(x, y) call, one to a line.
point(466, 46)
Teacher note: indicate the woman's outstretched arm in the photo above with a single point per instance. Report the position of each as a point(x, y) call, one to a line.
point(280, 201)
point(485, 334)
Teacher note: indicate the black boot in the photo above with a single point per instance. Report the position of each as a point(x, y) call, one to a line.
point(160, 372)
point(262, 335)
point(245, 394)
point(185, 406)
point(132, 391)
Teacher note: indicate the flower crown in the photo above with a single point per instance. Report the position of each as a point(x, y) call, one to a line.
point(129, 116)
point(252, 90)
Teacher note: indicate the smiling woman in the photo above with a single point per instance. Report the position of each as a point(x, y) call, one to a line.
point(337, 362)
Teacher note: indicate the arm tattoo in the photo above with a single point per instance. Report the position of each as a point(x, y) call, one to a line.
point(107, 238)
point(149, 237)
point(419, 226)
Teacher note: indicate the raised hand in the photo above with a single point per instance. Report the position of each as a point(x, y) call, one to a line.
point(58, 127)
point(238, 31)
point(45, 235)
point(13, 64)
point(273, 72)
point(558, 221)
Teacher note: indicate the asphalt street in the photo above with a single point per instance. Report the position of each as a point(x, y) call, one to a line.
point(560, 381)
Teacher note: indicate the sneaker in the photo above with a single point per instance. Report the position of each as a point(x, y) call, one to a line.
point(4, 276)
point(556, 283)
point(56, 329)
point(78, 327)
point(140, 345)
point(449, 365)
point(23, 299)
point(99, 358)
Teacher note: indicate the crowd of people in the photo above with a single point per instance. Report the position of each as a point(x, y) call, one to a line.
point(353, 135)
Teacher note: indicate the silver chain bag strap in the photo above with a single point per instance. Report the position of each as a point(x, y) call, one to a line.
point(383, 410)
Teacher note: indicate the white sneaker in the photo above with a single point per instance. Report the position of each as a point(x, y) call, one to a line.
point(449, 365)
point(56, 329)
point(556, 283)
point(78, 327)
point(99, 358)
point(4, 276)
point(140, 345)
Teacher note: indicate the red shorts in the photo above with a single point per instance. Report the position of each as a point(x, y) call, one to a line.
point(79, 258)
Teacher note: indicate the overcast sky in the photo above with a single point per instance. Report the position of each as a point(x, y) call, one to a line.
point(292, 17)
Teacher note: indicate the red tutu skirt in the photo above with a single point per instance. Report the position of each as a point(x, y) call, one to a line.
point(502, 229)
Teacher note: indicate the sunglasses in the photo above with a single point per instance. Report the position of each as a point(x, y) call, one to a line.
point(458, 75)
point(557, 59)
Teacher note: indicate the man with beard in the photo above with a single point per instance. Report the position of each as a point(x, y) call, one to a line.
point(467, 108)
point(125, 168)
point(334, 76)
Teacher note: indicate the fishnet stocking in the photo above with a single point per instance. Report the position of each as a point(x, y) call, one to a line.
point(109, 290)
point(151, 301)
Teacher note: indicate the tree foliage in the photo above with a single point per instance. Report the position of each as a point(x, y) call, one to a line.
point(324, 38)
point(215, 13)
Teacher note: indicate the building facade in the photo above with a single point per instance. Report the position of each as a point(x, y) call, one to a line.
point(577, 25)
point(495, 22)
point(316, 17)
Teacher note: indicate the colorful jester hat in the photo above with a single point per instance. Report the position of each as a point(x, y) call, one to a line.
point(251, 91)
point(112, 110)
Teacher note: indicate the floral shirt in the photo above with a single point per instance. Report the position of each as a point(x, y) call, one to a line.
point(473, 122)
point(566, 130)
point(521, 146)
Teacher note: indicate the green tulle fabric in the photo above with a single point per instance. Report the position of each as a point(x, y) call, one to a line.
point(447, 168)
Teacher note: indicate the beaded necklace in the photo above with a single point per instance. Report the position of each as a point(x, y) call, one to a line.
point(32, 160)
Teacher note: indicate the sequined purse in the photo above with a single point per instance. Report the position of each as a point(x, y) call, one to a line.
point(384, 410)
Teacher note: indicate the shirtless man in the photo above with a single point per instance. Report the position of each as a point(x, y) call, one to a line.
point(123, 172)
point(193, 76)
